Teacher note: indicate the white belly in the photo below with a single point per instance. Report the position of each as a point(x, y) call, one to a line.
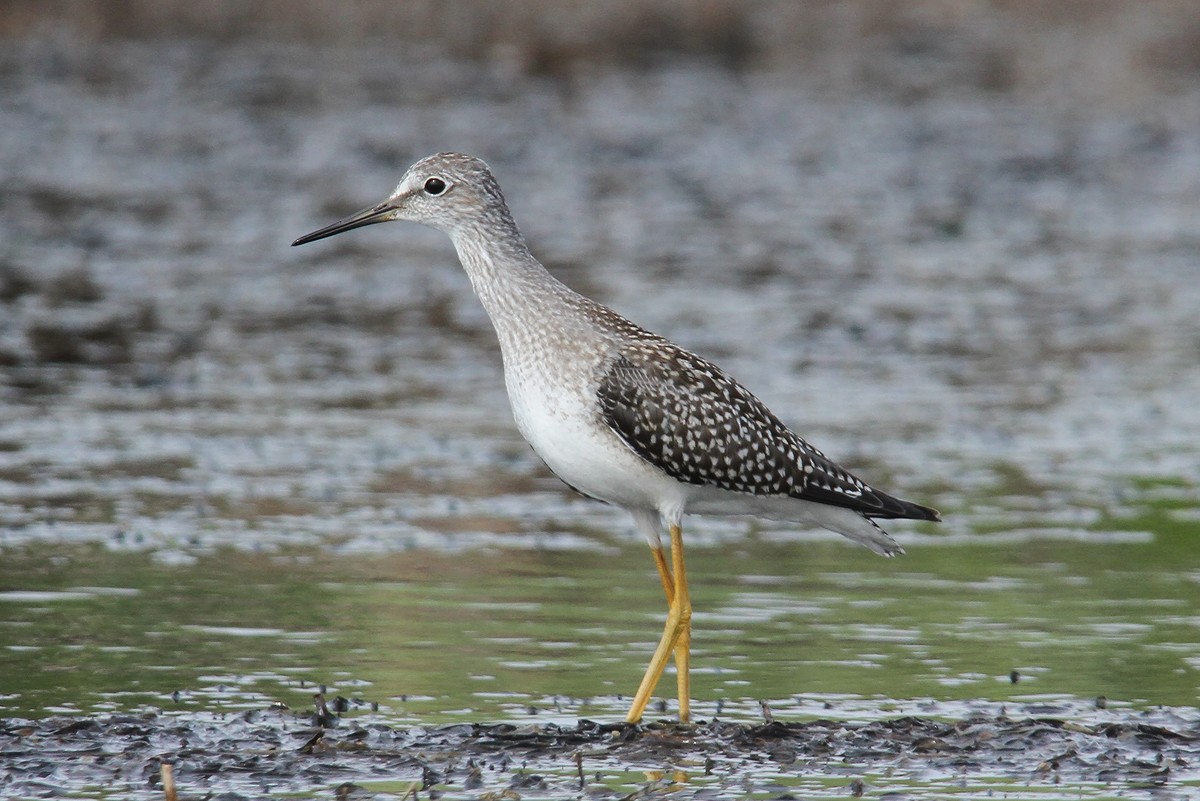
point(566, 432)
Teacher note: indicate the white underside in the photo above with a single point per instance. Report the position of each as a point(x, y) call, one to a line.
point(587, 455)
point(847, 522)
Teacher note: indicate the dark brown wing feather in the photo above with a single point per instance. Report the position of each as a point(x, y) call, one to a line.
point(691, 420)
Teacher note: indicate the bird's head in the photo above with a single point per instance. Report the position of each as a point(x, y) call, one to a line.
point(447, 191)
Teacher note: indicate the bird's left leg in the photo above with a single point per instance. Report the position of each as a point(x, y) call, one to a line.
point(683, 646)
point(664, 573)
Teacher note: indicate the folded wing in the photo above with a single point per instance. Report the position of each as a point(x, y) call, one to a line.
point(691, 420)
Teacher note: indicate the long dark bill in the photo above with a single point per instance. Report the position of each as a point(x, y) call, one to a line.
point(375, 214)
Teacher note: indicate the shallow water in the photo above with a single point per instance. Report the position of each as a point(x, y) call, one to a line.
point(526, 634)
point(232, 473)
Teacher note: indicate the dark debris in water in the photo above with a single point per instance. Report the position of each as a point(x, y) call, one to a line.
point(279, 752)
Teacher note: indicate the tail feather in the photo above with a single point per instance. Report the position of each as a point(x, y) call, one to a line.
point(856, 526)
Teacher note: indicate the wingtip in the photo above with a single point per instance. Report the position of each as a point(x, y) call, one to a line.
point(915, 511)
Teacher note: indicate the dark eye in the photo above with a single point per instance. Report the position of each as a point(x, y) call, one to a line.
point(435, 186)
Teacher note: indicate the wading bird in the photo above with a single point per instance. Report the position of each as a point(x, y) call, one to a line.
point(622, 414)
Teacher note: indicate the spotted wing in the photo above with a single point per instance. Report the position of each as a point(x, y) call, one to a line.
point(691, 420)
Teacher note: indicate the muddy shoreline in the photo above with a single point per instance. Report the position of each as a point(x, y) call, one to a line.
point(283, 753)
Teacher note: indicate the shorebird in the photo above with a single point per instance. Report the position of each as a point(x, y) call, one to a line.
point(623, 415)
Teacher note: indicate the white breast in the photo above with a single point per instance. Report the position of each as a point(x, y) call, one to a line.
point(562, 424)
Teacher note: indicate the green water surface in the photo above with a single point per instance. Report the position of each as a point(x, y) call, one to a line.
point(493, 634)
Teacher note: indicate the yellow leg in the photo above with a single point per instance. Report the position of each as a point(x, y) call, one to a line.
point(683, 645)
point(676, 634)
point(664, 573)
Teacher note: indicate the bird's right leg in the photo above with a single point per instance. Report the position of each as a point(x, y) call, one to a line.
point(676, 637)
point(683, 645)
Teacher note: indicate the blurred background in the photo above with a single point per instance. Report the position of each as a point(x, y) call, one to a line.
point(954, 243)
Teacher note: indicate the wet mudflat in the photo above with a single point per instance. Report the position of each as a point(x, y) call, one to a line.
point(233, 474)
point(276, 754)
